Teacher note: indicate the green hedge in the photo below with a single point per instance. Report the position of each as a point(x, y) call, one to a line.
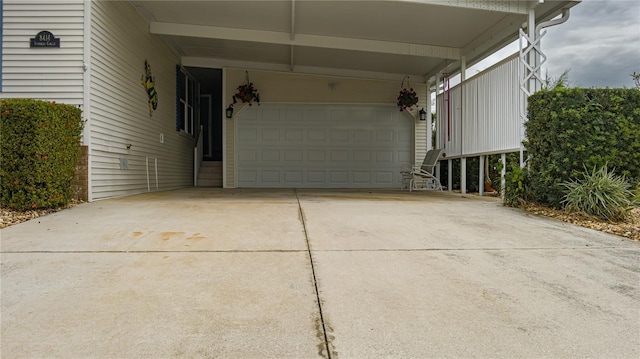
point(570, 129)
point(40, 148)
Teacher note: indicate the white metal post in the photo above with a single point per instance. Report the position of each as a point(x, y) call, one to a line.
point(450, 174)
point(429, 122)
point(534, 57)
point(463, 175)
point(503, 172)
point(481, 174)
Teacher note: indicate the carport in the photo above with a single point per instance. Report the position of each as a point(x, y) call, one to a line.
point(283, 273)
point(328, 62)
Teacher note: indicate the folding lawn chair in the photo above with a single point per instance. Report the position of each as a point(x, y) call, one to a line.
point(423, 177)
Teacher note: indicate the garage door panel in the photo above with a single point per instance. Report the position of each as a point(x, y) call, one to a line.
point(361, 156)
point(267, 115)
point(362, 135)
point(295, 134)
point(247, 155)
point(272, 177)
point(384, 177)
point(384, 157)
point(316, 177)
point(339, 135)
point(319, 146)
point(316, 135)
point(404, 136)
point(293, 155)
point(293, 177)
point(316, 116)
point(317, 155)
point(270, 134)
point(270, 155)
point(340, 156)
point(361, 177)
point(386, 135)
point(404, 157)
point(339, 177)
point(248, 135)
point(293, 115)
point(247, 176)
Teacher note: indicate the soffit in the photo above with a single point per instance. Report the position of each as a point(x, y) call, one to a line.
point(390, 37)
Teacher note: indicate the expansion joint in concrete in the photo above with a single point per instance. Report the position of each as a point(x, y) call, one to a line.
point(315, 281)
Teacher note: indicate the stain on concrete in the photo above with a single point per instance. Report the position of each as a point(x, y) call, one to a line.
point(326, 339)
point(322, 346)
point(195, 237)
point(165, 236)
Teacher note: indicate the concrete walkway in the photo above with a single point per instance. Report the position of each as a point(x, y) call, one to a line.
point(211, 273)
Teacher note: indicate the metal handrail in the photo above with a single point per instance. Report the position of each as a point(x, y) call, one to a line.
point(197, 157)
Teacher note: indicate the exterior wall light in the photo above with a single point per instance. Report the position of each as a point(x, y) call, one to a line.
point(423, 114)
point(229, 111)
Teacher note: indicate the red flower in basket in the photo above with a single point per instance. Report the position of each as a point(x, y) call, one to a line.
point(407, 98)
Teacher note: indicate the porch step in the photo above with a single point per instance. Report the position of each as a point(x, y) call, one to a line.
point(210, 174)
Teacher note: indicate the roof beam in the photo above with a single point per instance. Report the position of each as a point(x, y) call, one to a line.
point(207, 62)
point(283, 38)
point(510, 6)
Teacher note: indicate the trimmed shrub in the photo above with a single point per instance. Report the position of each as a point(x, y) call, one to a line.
point(40, 148)
point(573, 128)
point(600, 194)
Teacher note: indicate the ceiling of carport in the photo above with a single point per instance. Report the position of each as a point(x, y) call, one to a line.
point(380, 39)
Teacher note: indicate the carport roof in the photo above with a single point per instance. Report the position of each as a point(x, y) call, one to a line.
point(370, 39)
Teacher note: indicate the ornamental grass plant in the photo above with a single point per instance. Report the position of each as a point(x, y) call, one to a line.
point(600, 194)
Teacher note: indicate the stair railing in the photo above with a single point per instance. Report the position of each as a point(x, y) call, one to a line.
point(197, 157)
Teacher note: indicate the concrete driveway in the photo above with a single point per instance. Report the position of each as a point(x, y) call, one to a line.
point(208, 273)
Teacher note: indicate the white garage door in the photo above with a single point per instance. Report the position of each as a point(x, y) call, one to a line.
point(322, 146)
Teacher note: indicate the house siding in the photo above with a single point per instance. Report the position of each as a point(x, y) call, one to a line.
point(52, 74)
point(275, 87)
point(126, 148)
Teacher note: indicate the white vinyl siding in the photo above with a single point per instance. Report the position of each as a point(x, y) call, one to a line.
point(126, 143)
point(52, 74)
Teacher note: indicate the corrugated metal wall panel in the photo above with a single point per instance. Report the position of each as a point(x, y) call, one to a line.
point(491, 114)
point(119, 107)
point(449, 139)
point(52, 74)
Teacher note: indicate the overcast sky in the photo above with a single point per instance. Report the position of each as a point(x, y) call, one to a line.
point(599, 45)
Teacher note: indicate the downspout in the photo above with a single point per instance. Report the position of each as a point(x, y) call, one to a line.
point(86, 93)
point(554, 22)
point(463, 113)
point(543, 25)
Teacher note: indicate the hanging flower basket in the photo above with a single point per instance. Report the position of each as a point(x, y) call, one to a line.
point(247, 93)
point(407, 97)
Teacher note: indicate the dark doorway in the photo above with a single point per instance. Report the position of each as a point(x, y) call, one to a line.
point(210, 110)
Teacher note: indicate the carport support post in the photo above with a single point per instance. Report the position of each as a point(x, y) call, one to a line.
point(503, 172)
point(429, 123)
point(481, 175)
point(463, 175)
point(450, 174)
point(463, 160)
